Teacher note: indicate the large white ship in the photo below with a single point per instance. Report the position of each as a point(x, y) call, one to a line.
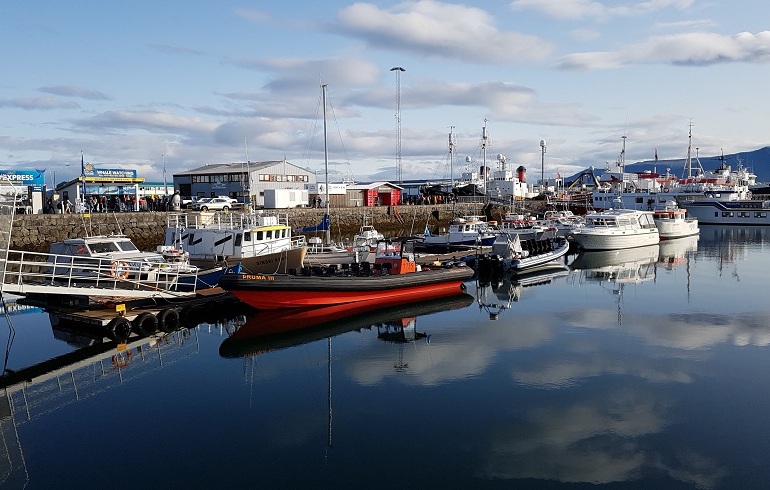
point(650, 190)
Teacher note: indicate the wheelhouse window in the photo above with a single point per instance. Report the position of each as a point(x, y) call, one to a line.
point(127, 246)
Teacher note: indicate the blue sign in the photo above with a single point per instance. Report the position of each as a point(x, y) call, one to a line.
point(108, 173)
point(29, 178)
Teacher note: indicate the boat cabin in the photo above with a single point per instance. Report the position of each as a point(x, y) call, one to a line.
point(94, 246)
point(395, 257)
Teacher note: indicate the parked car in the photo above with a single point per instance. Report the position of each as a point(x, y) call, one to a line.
point(215, 204)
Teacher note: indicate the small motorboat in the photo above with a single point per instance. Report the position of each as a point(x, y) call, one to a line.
point(394, 276)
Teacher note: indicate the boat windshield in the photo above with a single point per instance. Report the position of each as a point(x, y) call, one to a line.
point(127, 246)
point(103, 247)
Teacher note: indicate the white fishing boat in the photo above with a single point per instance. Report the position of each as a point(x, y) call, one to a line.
point(261, 243)
point(325, 254)
point(616, 229)
point(464, 232)
point(563, 220)
point(673, 222)
point(367, 236)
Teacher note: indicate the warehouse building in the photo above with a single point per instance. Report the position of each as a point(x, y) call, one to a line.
point(245, 182)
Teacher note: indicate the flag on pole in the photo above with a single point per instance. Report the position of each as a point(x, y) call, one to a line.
point(82, 177)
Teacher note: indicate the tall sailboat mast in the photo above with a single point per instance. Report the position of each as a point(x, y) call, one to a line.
point(326, 167)
point(484, 155)
point(451, 155)
point(688, 160)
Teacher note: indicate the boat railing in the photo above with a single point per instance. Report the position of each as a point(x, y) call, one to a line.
point(220, 220)
point(99, 275)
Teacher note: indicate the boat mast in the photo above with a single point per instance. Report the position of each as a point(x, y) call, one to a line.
point(484, 155)
point(451, 155)
point(326, 168)
point(688, 160)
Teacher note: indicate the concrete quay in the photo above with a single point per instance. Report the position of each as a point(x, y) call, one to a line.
point(35, 232)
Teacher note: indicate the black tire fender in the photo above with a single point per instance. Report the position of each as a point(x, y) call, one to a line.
point(119, 329)
point(145, 324)
point(169, 320)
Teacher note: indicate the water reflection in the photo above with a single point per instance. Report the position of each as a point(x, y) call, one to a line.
point(270, 330)
point(562, 389)
point(676, 252)
point(496, 293)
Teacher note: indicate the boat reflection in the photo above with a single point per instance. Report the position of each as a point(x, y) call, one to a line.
point(626, 265)
point(270, 330)
point(495, 295)
point(613, 269)
point(675, 252)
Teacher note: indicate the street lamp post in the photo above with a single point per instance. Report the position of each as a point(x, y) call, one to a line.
point(398, 71)
point(542, 163)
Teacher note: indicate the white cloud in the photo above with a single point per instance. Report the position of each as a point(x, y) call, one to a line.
point(584, 34)
point(698, 48)
point(38, 103)
point(582, 9)
point(256, 16)
point(74, 91)
point(442, 30)
point(151, 120)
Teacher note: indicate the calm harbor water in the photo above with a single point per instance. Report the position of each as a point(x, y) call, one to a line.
point(631, 369)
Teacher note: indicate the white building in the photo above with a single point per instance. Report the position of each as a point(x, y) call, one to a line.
point(246, 181)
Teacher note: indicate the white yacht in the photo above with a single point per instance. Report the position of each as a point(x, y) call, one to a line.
point(616, 229)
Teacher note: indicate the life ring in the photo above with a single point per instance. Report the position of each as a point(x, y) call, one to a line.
point(145, 324)
point(169, 320)
point(121, 361)
point(119, 270)
point(665, 189)
point(119, 329)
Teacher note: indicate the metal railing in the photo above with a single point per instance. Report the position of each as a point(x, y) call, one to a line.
point(27, 271)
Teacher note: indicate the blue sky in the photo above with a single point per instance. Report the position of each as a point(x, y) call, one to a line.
point(136, 84)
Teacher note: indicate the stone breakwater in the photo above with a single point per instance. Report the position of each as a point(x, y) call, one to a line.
point(35, 232)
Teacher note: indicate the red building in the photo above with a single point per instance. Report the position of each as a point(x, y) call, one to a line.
point(374, 194)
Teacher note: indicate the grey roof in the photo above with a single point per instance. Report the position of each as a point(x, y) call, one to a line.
point(225, 168)
point(372, 185)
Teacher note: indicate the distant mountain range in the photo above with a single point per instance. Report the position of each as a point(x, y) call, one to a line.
point(757, 161)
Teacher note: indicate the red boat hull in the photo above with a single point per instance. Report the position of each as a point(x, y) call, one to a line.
point(286, 291)
point(268, 300)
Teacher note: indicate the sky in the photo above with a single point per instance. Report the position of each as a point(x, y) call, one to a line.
point(165, 86)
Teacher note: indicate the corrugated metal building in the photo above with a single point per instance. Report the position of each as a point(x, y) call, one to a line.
point(374, 194)
point(237, 179)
